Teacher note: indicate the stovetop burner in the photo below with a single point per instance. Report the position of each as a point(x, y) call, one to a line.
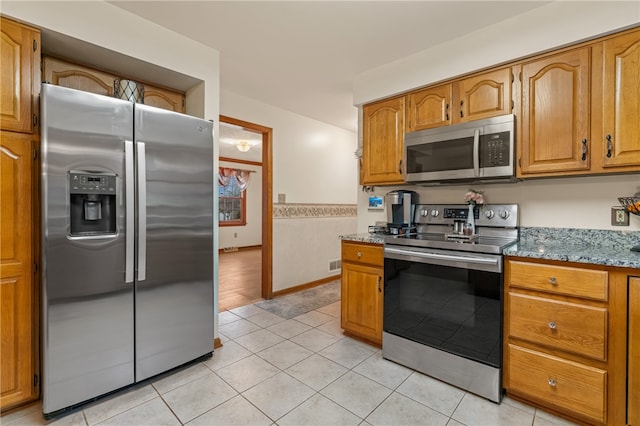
point(481, 244)
point(496, 227)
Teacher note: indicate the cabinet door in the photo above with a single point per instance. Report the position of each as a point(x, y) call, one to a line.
point(429, 108)
point(556, 115)
point(482, 96)
point(383, 142)
point(163, 98)
point(621, 109)
point(16, 265)
point(77, 77)
point(17, 46)
point(362, 301)
point(633, 372)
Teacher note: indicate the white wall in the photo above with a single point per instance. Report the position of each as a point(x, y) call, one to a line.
point(303, 248)
point(313, 162)
point(581, 202)
point(575, 202)
point(250, 234)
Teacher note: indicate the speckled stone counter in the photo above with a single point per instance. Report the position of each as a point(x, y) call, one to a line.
point(364, 238)
point(595, 246)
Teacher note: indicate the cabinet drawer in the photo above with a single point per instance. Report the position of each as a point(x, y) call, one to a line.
point(563, 384)
point(577, 282)
point(372, 254)
point(562, 325)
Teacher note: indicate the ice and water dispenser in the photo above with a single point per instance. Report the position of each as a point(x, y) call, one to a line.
point(92, 203)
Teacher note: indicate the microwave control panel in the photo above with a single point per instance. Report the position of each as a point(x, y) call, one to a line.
point(495, 149)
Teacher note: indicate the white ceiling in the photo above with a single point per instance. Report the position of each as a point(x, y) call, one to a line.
point(303, 56)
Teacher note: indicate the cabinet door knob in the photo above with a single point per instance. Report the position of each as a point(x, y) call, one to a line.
point(379, 281)
point(359, 254)
point(461, 109)
point(552, 382)
point(553, 281)
point(584, 149)
point(609, 146)
point(552, 325)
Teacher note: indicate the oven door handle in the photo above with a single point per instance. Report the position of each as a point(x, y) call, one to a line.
point(479, 260)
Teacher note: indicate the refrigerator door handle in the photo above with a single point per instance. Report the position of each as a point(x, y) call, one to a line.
point(142, 211)
point(129, 211)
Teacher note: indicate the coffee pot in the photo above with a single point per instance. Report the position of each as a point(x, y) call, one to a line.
point(400, 206)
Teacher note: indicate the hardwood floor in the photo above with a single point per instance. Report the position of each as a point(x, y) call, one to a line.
point(239, 278)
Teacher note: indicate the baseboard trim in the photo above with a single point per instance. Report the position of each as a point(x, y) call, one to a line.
point(241, 248)
point(305, 286)
point(217, 343)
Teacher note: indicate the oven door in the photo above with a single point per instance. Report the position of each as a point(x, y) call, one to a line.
point(449, 300)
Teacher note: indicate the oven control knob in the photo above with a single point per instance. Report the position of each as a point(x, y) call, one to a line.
point(424, 213)
point(435, 213)
point(504, 214)
point(489, 214)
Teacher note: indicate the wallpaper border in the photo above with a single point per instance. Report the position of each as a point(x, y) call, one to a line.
point(299, 211)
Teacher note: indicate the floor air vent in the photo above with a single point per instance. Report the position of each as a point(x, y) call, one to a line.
point(335, 265)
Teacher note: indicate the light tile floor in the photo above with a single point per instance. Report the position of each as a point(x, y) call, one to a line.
point(302, 371)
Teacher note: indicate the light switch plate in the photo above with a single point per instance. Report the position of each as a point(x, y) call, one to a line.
point(619, 216)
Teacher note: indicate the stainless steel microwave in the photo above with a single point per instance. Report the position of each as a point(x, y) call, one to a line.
point(477, 151)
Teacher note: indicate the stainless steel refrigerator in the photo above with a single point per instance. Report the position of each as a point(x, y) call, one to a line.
point(127, 250)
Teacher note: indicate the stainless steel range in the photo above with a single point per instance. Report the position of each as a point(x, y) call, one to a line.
point(443, 295)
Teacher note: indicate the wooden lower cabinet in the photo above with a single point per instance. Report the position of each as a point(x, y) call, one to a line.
point(362, 290)
point(560, 383)
point(18, 328)
point(633, 363)
point(565, 339)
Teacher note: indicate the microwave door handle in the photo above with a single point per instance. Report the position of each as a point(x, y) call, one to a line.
point(476, 152)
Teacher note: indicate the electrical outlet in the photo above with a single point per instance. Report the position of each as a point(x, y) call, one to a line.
point(282, 198)
point(619, 216)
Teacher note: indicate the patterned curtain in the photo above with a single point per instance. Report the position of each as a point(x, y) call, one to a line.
point(242, 177)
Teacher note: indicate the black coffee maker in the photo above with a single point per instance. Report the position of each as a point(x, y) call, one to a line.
point(401, 206)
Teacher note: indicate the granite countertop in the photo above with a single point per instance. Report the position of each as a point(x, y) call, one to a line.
point(594, 246)
point(365, 237)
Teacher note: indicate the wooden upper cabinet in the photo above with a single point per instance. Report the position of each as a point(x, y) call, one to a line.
point(19, 50)
point(473, 98)
point(429, 108)
point(555, 136)
point(62, 73)
point(163, 98)
point(620, 139)
point(18, 326)
point(383, 142)
point(482, 96)
point(77, 77)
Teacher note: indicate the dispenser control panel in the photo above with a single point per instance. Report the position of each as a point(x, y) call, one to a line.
point(99, 183)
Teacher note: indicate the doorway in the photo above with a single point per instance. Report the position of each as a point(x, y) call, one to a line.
point(240, 267)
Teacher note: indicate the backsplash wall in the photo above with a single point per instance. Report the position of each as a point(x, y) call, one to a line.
point(575, 202)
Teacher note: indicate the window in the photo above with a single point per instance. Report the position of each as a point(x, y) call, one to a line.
point(232, 204)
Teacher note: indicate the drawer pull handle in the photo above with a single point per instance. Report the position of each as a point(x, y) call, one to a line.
point(552, 383)
point(552, 325)
point(359, 254)
point(553, 280)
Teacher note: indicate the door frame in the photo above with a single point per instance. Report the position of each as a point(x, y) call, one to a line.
point(267, 200)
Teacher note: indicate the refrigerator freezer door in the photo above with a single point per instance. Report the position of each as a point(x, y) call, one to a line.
point(88, 340)
point(174, 288)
